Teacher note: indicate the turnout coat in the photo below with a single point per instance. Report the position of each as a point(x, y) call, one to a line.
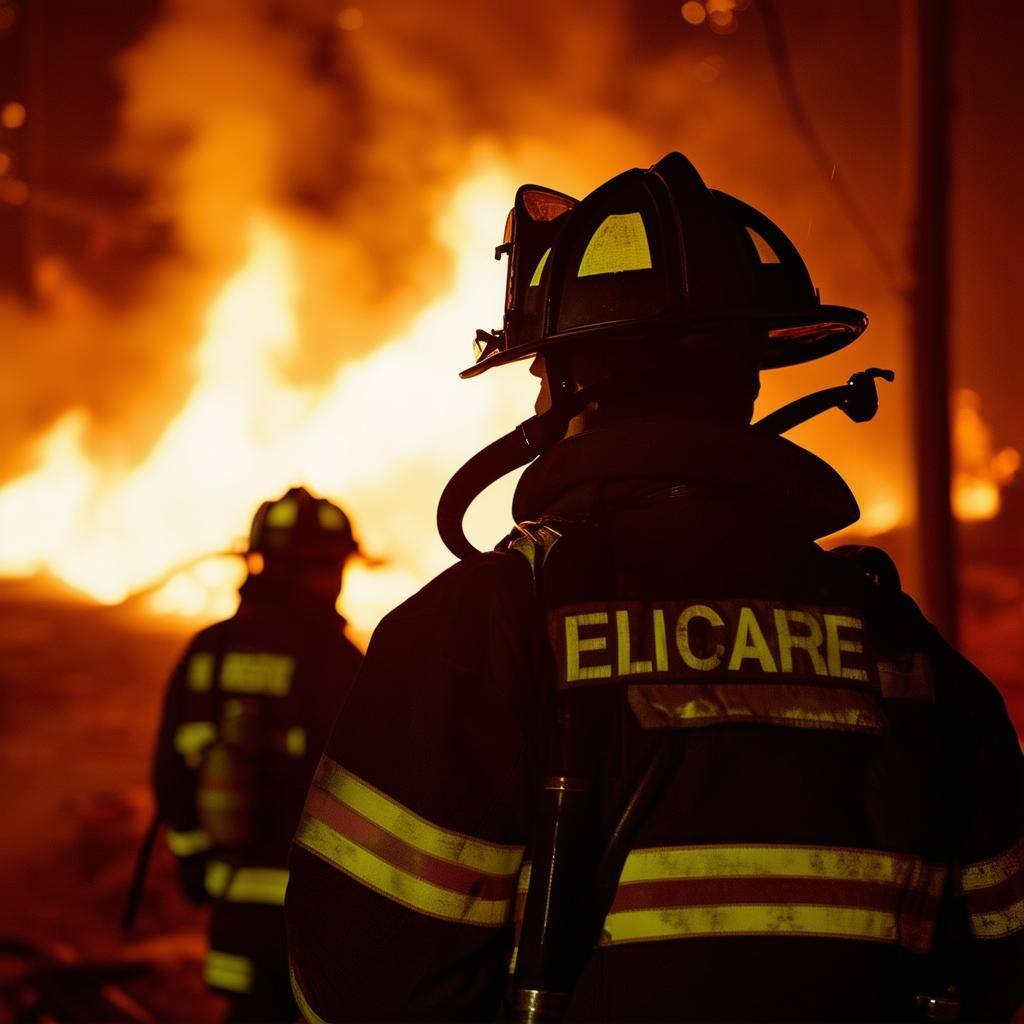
point(284, 658)
point(844, 829)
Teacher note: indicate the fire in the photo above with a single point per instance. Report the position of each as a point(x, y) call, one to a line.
point(980, 471)
point(380, 437)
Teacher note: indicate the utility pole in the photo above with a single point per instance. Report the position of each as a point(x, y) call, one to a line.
point(927, 37)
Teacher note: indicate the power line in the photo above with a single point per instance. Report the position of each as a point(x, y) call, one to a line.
point(782, 64)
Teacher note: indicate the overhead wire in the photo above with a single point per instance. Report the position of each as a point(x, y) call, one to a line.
point(782, 65)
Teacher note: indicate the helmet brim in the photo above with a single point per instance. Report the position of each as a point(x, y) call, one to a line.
point(794, 338)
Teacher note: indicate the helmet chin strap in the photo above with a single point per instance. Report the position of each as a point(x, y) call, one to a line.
point(857, 398)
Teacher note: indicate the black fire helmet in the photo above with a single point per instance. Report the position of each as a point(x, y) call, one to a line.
point(302, 528)
point(655, 253)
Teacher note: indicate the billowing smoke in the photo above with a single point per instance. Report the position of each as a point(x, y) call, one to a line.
point(331, 183)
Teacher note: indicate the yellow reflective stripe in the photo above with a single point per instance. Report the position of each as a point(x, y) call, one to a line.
point(199, 674)
point(998, 924)
point(306, 1011)
point(391, 816)
point(995, 870)
point(228, 971)
point(807, 707)
point(295, 741)
point(394, 882)
point(538, 273)
point(750, 919)
point(246, 885)
point(620, 243)
point(185, 844)
point(663, 863)
point(244, 672)
point(191, 737)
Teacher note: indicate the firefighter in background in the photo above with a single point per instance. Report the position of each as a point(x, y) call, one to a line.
point(659, 755)
point(247, 713)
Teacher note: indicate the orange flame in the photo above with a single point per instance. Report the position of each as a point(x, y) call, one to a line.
point(380, 437)
point(980, 471)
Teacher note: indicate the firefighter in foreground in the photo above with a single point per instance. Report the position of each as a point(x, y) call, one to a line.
point(660, 756)
point(247, 713)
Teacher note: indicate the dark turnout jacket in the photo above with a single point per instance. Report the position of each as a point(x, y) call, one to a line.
point(283, 659)
point(843, 829)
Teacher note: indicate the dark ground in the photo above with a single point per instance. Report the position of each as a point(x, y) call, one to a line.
point(80, 690)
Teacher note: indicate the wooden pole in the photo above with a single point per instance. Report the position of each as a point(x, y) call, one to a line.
point(927, 37)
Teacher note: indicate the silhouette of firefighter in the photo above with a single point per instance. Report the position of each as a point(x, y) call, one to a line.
point(660, 756)
point(247, 714)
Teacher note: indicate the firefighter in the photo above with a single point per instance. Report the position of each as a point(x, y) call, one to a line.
point(247, 713)
point(660, 756)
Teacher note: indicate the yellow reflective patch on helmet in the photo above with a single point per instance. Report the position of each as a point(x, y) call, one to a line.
point(538, 273)
point(620, 243)
point(330, 518)
point(283, 513)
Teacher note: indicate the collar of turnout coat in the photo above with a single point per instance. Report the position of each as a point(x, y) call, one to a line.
point(787, 483)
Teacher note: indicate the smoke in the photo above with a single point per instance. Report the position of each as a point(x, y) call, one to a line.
point(355, 130)
point(349, 136)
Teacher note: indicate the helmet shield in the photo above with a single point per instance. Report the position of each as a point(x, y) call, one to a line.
point(531, 229)
point(655, 252)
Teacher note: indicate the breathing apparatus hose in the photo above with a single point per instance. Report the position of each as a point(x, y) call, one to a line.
point(857, 398)
point(518, 447)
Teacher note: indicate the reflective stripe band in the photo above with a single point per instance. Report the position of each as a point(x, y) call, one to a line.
point(750, 919)
point(269, 674)
point(994, 890)
point(191, 737)
point(395, 883)
point(295, 741)
point(246, 885)
point(186, 844)
point(199, 672)
point(413, 830)
point(306, 1011)
point(995, 870)
point(399, 855)
point(685, 705)
point(830, 892)
point(228, 971)
point(998, 924)
point(760, 861)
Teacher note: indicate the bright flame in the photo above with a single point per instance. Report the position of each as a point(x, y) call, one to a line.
point(980, 471)
point(381, 437)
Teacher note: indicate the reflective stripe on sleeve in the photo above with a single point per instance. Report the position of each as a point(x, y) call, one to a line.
point(994, 890)
point(307, 1012)
point(398, 854)
point(228, 971)
point(245, 884)
point(186, 844)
